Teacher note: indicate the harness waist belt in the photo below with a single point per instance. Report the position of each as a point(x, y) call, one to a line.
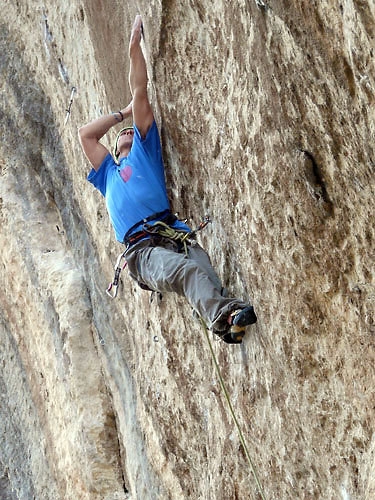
point(133, 238)
point(165, 215)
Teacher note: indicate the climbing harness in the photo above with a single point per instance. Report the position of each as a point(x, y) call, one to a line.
point(128, 242)
point(165, 216)
point(160, 229)
point(182, 238)
point(231, 410)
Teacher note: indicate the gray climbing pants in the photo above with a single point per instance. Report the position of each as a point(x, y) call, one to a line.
point(163, 269)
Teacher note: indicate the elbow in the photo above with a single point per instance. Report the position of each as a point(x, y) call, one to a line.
point(84, 135)
point(81, 133)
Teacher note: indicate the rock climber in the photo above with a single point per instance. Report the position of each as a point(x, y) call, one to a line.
point(160, 253)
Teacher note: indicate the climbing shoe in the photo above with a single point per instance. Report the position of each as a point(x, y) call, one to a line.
point(228, 339)
point(238, 320)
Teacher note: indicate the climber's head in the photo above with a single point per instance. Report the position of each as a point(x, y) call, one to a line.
point(123, 138)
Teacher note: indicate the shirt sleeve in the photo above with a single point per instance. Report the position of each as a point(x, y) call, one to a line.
point(151, 143)
point(99, 177)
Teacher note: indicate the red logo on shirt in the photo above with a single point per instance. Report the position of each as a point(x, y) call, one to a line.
point(126, 173)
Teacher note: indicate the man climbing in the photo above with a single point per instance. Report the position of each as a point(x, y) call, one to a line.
point(160, 252)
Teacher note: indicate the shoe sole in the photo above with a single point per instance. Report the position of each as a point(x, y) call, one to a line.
point(233, 338)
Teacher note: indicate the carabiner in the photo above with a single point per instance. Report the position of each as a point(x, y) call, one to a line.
point(116, 279)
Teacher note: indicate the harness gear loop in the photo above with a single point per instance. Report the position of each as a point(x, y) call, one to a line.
point(116, 279)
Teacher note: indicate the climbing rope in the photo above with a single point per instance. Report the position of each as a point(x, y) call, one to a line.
point(231, 410)
point(162, 229)
point(183, 238)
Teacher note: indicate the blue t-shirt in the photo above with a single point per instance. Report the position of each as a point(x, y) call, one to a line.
point(136, 188)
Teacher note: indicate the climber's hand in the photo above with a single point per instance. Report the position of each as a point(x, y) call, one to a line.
point(128, 111)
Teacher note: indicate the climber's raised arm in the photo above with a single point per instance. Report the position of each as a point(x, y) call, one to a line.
point(91, 133)
point(142, 111)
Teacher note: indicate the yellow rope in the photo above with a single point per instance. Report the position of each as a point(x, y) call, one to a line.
point(162, 229)
point(233, 415)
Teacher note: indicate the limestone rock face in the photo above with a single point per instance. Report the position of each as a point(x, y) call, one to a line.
point(266, 112)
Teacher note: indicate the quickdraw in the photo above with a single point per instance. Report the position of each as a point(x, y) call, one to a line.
point(114, 285)
point(74, 90)
point(206, 220)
